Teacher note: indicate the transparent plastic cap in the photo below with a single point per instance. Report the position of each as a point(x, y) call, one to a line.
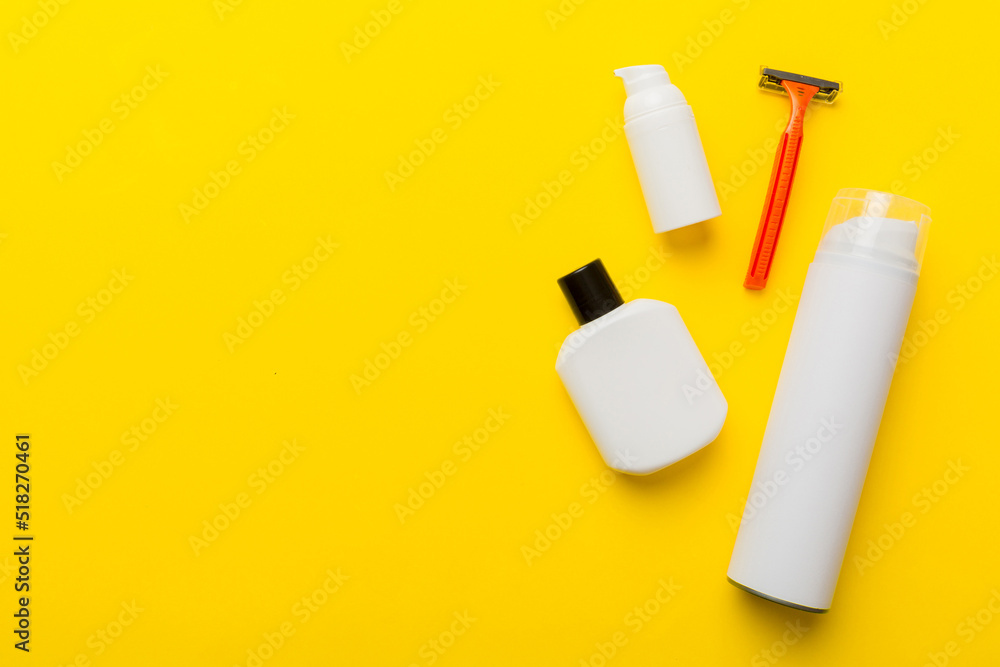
point(877, 226)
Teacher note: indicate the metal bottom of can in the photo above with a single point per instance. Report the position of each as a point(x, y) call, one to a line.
point(793, 605)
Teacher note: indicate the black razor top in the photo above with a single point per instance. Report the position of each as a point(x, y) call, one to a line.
point(770, 79)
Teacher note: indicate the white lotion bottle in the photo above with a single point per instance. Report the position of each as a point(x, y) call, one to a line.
point(666, 149)
point(636, 376)
point(829, 400)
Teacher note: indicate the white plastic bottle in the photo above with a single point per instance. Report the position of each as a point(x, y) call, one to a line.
point(666, 150)
point(830, 396)
point(636, 376)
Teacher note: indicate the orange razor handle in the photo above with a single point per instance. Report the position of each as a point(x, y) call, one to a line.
point(780, 187)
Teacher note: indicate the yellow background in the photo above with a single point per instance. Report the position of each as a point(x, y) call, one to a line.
point(356, 115)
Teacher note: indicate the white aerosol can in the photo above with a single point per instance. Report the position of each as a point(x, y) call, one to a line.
point(830, 396)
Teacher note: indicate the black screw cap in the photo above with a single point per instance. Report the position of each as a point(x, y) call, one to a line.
point(590, 292)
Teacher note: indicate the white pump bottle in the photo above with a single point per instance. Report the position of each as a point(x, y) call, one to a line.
point(666, 150)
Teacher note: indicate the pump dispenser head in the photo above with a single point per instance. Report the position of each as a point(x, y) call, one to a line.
point(590, 292)
point(648, 88)
point(641, 77)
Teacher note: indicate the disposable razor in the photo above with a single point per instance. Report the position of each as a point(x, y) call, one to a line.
point(800, 89)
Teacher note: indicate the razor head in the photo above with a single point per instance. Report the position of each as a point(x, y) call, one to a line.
point(770, 79)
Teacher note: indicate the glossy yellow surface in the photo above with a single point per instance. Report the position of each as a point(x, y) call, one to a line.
point(281, 319)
